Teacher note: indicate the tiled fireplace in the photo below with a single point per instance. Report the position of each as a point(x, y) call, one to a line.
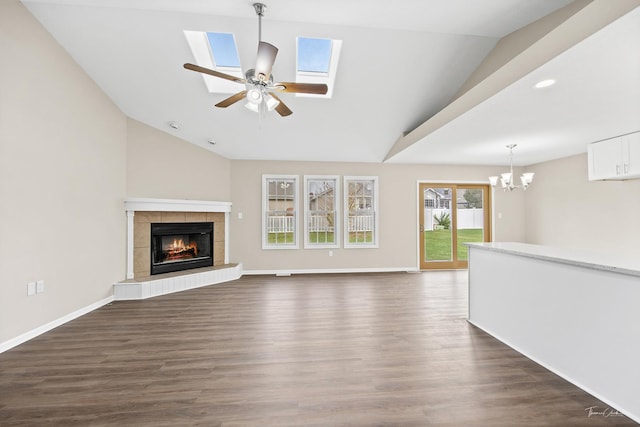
point(192, 235)
point(142, 241)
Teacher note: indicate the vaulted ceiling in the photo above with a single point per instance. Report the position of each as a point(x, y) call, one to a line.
point(438, 81)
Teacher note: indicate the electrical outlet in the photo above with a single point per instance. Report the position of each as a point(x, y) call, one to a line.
point(31, 288)
point(330, 253)
point(40, 286)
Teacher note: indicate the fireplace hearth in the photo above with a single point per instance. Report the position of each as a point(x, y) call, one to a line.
point(181, 246)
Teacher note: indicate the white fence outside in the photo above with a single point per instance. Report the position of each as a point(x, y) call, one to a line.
point(360, 223)
point(280, 224)
point(467, 218)
point(318, 223)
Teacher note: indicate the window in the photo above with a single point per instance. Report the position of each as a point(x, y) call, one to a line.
point(361, 211)
point(314, 55)
point(317, 62)
point(216, 51)
point(279, 211)
point(223, 50)
point(321, 228)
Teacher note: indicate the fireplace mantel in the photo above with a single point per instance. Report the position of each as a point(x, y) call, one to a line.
point(175, 205)
point(133, 205)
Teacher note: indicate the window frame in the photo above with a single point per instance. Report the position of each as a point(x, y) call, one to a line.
point(266, 178)
point(374, 244)
point(336, 209)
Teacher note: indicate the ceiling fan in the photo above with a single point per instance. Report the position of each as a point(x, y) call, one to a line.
point(258, 81)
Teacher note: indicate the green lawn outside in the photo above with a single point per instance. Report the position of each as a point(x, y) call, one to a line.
point(438, 243)
point(284, 238)
point(361, 237)
point(281, 238)
point(318, 237)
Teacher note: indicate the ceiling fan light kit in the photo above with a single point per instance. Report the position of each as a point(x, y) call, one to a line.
point(506, 179)
point(258, 81)
point(254, 95)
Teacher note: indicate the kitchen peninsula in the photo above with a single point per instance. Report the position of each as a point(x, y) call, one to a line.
point(575, 313)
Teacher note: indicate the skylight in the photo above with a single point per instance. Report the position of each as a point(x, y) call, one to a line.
point(317, 62)
point(223, 49)
point(314, 55)
point(216, 51)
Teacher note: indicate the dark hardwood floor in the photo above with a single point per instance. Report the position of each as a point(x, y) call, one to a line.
point(389, 349)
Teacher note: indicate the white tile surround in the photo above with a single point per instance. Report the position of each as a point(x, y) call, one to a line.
point(163, 284)
point(151, 286)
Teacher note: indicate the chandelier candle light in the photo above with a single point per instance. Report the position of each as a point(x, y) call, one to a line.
point(506, 179)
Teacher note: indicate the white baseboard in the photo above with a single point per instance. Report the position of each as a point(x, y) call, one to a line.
point(331, 271)
point(7, 345)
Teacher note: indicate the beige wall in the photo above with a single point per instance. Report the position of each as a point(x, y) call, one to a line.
point(190, 172)
point(62, 180)
point(565, 209)
point(398, 214)
point(509, 211)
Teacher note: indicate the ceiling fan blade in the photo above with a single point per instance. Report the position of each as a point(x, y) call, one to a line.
point(232, 99)
point(213, 73)
point(264, 60)
point(282, 109)
point(314, 88)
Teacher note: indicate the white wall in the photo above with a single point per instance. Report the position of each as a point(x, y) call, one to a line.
point(62, 180)
point(564, 209)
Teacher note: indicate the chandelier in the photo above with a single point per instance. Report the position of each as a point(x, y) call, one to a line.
point(506, 179)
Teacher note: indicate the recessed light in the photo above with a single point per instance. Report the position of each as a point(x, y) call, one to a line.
point(544, 83)
point(174, 125)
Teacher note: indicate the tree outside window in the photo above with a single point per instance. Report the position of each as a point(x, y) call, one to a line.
point(279, 218)
point(361, 209)
point(321, 214)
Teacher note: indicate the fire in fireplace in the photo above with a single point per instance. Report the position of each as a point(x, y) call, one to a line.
point(181, 246)
point(177, 250)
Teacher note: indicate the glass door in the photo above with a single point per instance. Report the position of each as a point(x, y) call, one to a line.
point(451, 214)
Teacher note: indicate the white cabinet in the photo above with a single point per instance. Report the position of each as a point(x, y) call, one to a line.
point(615, 158)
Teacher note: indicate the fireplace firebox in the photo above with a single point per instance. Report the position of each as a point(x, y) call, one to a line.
point(181, 246)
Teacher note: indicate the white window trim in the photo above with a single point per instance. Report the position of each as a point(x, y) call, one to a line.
point(265, 206)
point(307, 244)
point(345, 197)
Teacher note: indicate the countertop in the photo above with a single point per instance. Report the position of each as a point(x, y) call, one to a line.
point(582, 258)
